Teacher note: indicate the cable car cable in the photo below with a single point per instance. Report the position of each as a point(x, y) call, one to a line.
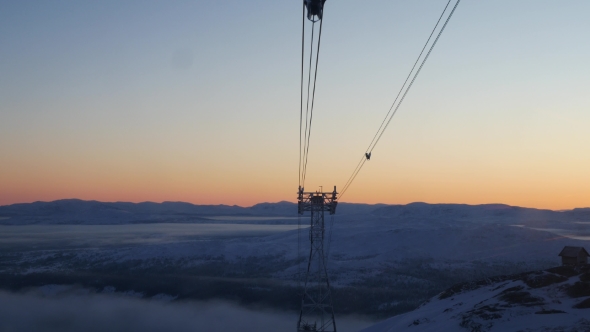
point(308, 131)
point(301, 96)
point(380, 133)
point(409, 74)
point(361, 162)
point(417, 72)
point(307, 105)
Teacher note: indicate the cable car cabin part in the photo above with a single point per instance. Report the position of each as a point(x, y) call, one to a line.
point(315, 9)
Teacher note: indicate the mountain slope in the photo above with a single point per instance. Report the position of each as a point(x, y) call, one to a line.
point(556, 299)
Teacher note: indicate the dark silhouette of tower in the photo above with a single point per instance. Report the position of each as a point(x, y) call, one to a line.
point(317, 312)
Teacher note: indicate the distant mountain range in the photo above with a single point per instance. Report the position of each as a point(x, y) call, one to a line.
point(93, 212)
point(74, 211)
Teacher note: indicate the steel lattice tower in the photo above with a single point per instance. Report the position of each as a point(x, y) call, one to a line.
point(317, 312)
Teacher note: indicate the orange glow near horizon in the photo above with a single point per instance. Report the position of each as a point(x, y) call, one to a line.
point(214, 190)
point(233, 177)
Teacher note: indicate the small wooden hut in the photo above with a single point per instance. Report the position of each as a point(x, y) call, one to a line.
point(574, 255)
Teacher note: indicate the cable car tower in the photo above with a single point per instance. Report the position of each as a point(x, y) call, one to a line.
point(317, 312)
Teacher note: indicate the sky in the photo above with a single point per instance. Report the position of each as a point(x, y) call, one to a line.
point(198, 101)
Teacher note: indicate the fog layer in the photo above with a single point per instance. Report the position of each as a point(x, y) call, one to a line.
point(71, 309)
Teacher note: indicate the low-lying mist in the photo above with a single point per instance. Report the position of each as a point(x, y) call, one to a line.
point(67, 309)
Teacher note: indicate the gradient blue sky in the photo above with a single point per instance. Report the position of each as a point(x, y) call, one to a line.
point(199, 101)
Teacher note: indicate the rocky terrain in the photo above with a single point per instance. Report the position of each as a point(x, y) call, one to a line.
point(556, 299)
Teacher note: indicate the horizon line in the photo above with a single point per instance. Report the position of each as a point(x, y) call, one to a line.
point(284, 201)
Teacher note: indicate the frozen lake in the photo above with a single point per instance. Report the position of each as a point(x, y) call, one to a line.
point(37, 237)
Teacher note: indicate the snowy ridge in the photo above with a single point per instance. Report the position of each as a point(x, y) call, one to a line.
point(74, 211)
point(556, 299)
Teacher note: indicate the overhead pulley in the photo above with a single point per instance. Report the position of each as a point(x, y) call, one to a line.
point(315, 9)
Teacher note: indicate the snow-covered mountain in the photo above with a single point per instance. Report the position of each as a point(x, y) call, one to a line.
point(556, 299)
point(74, 211)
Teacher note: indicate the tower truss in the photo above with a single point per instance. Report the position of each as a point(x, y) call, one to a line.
point(317, 312)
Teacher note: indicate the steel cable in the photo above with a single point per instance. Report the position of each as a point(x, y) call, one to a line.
point(417, 72)
point(315, 76)
point(409, 74)
point(301, 96)
point(390, 115)
point(307, 107)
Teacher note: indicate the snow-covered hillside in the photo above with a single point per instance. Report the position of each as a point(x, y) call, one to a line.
point(382, 259)
point(557, 299)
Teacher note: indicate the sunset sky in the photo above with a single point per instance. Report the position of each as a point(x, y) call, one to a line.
point(198, 101)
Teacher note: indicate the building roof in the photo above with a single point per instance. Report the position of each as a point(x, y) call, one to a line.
point(572, 251)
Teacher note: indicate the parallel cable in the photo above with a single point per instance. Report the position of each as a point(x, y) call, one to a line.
point(363, 158)
point(317, 58)
point(307, 107)
point(417, 72)
point(353, 176)
point(388, 117)
point(409, 74)
point(301, 96)
point(360, 164)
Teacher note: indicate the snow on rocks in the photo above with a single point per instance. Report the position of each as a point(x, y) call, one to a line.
point(556, 299)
